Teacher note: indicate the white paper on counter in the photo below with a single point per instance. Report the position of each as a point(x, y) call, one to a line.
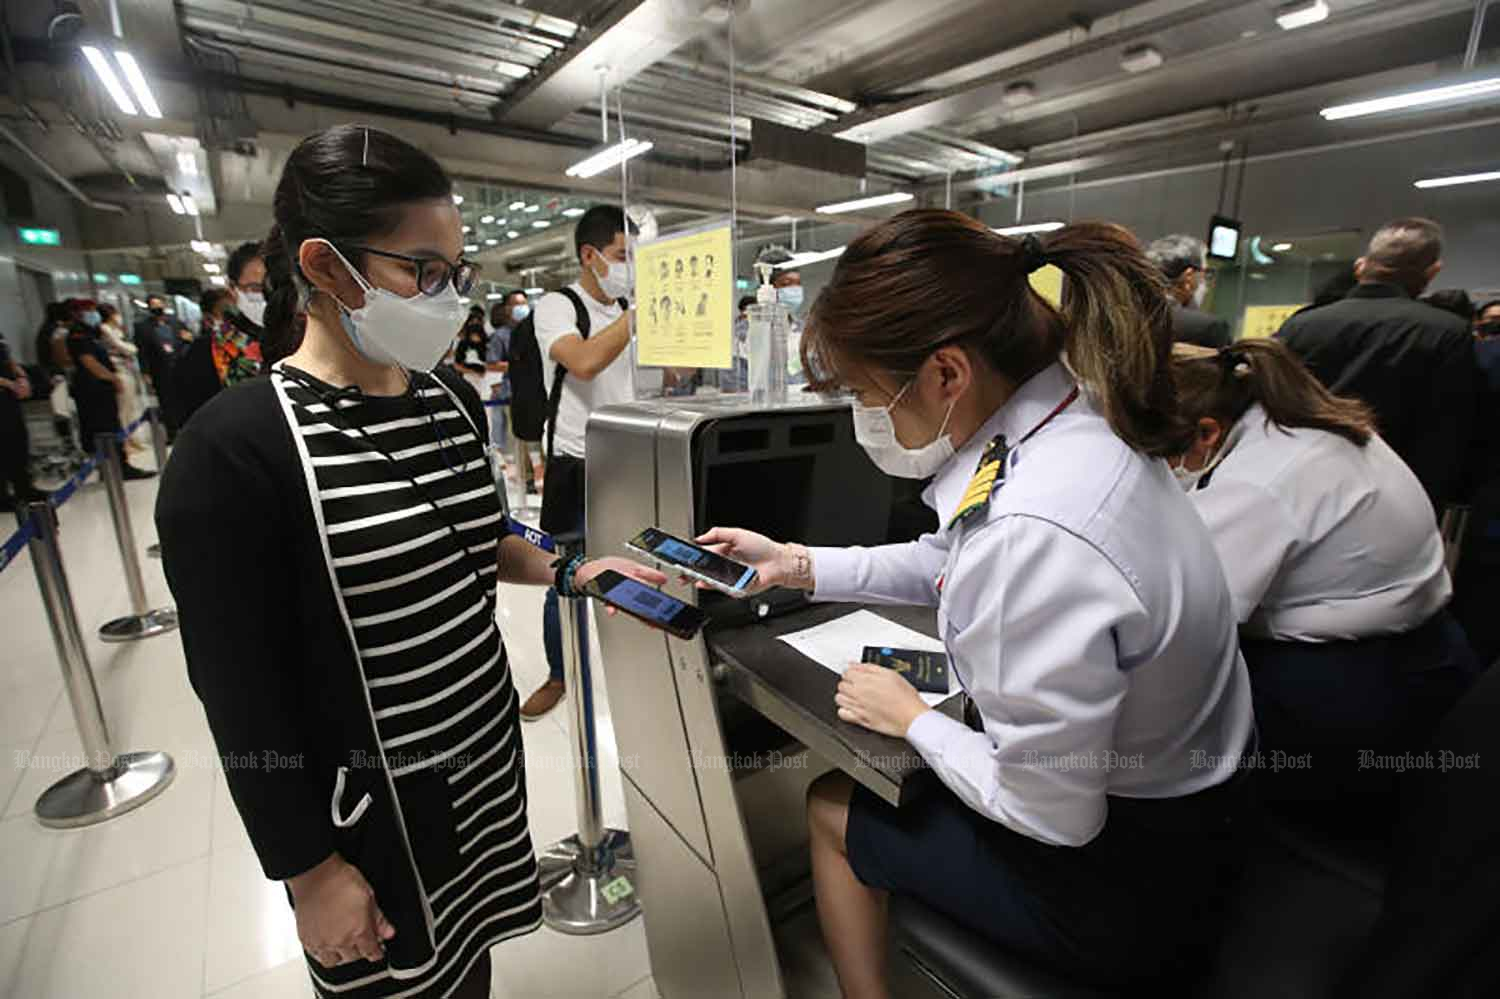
point(837, 643)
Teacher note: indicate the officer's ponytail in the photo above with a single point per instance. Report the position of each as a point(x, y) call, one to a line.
point(346, 184)
point(1221, 384)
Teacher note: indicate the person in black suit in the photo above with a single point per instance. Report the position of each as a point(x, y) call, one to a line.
point(1184, 262)
point(1412, 363)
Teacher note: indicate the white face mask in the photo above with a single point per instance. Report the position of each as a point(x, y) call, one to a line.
point(619, 280)
point(1189, 480)
point(790, 296)
point(253, 306)
point(876, 433)
point(1200, 293)
point(388, 329)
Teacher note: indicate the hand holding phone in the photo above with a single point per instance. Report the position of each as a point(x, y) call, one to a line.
point(651, 606)
point(694, 561)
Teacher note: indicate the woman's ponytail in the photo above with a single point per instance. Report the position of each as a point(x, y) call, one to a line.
point(282, 323)
point(1118, 332)
point(1222, 384)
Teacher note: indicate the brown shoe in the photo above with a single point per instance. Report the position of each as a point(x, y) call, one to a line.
point(543, 700)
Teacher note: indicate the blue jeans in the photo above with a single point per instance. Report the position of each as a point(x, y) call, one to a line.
point(552, 630)
point(498, 423)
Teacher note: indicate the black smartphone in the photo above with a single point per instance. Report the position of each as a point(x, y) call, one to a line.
point(673, 553)
point(631, 596)
point(927, 671)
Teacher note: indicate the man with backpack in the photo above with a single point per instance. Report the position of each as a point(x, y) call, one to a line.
point(567, 359)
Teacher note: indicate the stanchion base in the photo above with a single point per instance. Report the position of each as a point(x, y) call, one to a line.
point(133, 627)
point(83, 797)
point(584, 903)
point(153, 551)
point(558, 860)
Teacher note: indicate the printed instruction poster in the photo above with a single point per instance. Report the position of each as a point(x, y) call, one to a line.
point(1265, 320)
point(684, 299)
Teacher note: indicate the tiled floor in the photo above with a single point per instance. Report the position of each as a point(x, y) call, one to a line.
point(168, 901)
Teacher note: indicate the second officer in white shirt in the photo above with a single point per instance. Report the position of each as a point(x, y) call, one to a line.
point(1088, 819)
point(1334, 564)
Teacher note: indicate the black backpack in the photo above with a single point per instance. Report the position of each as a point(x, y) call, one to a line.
point(532, 403)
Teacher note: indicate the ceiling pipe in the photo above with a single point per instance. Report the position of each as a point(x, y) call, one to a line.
point(58, 178)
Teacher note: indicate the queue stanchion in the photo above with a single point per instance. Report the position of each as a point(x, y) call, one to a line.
point(109, 784)
point(589, 880)
point(158, 437)
point(144, 621)
point(159, 448)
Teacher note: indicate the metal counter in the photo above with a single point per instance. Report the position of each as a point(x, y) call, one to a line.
point(720, 736)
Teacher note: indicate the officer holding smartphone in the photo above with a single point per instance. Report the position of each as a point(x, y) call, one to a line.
point(1087, 822)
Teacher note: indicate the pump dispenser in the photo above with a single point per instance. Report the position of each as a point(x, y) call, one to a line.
point(769, 327)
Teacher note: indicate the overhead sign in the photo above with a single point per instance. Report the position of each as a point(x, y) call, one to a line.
point(101, 279)
point(130, 279)
point(41, 237)
point(684, 287)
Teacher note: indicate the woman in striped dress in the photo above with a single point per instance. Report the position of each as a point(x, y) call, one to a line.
point(333, 539)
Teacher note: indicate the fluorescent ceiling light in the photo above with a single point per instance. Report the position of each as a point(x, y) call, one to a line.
point(533, 208)
point(175, 203)
point(540, 224)
point(1300, 15)
point(1140, 58)
point(486, 219)
point(492, 296)
point(610, 156)
point(189, 205)
point(1417, 98)
point(516, 206)
point(211, 268)
point(468, 228)
point(458, 199)
point(536, 291)
point(1281, 247)
point(838, 207)
point(138, 84)
point(491, 241)
point(811, 257)
point(218, 281)
point(202, 246)
point(1021, 230)
point(572, 213)
point(109, 79)
point(187, 163)
point(1467, 178)
point(471, 248)
point(512, 234)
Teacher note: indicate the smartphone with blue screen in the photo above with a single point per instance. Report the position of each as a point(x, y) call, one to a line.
point(676, 555)
point(645, 604)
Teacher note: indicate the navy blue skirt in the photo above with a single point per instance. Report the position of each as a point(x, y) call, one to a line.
point(1140, 901)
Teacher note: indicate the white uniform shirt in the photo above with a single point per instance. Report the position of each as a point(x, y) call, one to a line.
point(1085, 613)
point(556, 318)
point(1322, 540)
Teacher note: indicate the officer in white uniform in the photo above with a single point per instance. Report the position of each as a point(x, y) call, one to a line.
point(1334, 564)
point(1087, 819)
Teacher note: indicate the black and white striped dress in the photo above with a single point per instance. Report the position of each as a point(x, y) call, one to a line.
point(411, 522)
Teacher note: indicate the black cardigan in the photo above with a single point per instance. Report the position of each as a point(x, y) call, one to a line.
point(267, 650)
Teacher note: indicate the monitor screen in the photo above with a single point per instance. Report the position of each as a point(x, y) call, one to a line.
point(1223, 238)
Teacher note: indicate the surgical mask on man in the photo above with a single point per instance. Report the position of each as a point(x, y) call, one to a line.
point(252, 306)
point(388, 329)
point(876, 433)
point(91, 318)
point(518, 313)
point(618, 279)
point(790, 296)
point(1200, 293)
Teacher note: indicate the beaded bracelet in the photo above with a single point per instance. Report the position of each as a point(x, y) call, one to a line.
point(562, 576)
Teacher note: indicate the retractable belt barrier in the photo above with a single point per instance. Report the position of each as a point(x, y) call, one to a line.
point(110, 783)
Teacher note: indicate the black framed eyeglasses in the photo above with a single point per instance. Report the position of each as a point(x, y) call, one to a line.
point(433, 272)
